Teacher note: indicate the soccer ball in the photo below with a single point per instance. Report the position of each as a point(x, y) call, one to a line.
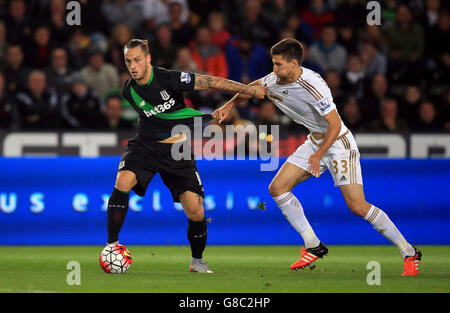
point(115, 259)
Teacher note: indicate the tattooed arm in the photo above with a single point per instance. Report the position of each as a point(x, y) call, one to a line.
point(222, 113)
point(203, 82)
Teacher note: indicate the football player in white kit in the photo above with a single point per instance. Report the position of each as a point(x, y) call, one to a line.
point(305, 97)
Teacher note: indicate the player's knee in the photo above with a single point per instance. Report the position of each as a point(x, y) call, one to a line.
point(125, 181)
point(122, 187)
point(196, 215)
point(359, 207)
point(276, 189)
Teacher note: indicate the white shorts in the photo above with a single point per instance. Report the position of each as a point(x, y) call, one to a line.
point(342, 159)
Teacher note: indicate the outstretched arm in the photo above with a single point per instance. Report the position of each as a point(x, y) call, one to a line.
point(222, 113)
point(203, 82)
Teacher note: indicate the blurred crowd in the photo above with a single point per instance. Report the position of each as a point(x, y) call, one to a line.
point(392, 77)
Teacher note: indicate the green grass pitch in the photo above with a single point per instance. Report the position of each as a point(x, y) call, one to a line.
point(247, 269)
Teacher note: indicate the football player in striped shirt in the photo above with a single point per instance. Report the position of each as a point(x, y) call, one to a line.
point(305, 97)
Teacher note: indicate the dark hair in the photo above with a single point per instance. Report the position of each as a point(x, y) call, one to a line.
point(113, 95)
point(133, 43)
point(289, 49)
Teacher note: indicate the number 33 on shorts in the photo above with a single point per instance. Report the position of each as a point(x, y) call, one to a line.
point(346, 169)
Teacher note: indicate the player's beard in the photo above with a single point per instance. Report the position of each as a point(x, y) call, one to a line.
point(144, 74)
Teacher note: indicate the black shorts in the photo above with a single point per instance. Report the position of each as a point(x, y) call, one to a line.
point(145, 162)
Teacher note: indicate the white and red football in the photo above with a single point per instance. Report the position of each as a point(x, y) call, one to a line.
point(115, 259)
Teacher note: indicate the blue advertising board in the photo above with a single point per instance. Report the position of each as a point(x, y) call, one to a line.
point(63, 201)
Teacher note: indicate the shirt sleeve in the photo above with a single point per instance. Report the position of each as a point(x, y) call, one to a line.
point(318, 96)
point(268, 79)
point(182, 81)
point(324, 106)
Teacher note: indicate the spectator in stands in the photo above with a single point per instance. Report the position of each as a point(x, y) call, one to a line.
point(3, 43)
point(388, 13)
point(182, 31)
point(247, 60)
point(309, 63)
point(287, 33)
point(82, 107)
point(92, 18)
point(351, 115)
point(121, 34)
point(327, 52)
point(410, 102)
point(428, 17)
point(39, 50)
point(58, 28)
point(38, 105)
point(18, 23)
point(205, 101)
point(389, 121)
point(16, 71)
point(9, 116)
point(275, 12)
point(374, 62)
point(406, 46)
point(123, 12)
point(267, 114)
point(302, 31)
point(58, 73)
point(354, 78)
point(112, 118)
point(374, 35)
point(100, 76)
point(184, 62)
point(370, 105)
point(156, 12)
point(207, 55)
point(254, 24)
point(317, 16)
point(78, 48)
point(348, 39)
point(334, 82)
point(428, 119)
point(445, 109)
point(219, 34)
point(351, 13)
point(413, 55)
point(438, 34)
point(163, 52)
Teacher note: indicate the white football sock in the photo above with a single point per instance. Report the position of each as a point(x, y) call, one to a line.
point(293, 211)
point(381, 222)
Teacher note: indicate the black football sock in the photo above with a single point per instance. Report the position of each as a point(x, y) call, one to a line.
point(117, 211)
point(197, 234)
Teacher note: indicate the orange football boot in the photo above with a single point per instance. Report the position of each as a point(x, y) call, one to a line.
point(307, 256)
point(411, 263)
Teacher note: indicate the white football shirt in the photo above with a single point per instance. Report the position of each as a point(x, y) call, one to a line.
point(305, 101)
